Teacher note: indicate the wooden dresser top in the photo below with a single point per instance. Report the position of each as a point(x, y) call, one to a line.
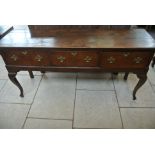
point(108, 39)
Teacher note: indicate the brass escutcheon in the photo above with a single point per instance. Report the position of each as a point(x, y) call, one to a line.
point(74, 53)
point(126, 54)
point(87, 59)
point(111, 60)
point(38, 58)
point(137, 60)
point(24, 52)
point(61, 59)
point(14, 57)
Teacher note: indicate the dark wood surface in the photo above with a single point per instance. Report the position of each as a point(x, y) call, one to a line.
point(134, 38)
point(93, 51)
point(55, 30)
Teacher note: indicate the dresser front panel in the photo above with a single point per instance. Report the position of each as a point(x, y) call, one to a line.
point(96, 58)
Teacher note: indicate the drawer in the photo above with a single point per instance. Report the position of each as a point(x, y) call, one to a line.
point(27, 57)
point(62, 59)
point(125, 59)
point(74, 59)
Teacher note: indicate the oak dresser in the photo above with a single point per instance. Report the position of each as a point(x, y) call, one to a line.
point(90, 51)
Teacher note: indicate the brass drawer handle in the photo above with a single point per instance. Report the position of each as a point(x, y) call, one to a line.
point(111, 60)
point(87, 59)
point(38, 58)
point(126, 54)
point(14, 57)
point(138, 60)
point(24, 52)
point(74, 54)
point(61, 59)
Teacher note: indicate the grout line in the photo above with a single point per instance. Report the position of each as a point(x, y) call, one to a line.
point(151, 85)
point(92, 90)
point(15, 103)
point(23, 104)
point(49, 118)
point(32, 103)
point(36, 89)
point(97, 128)
point(118, 103)
point(74, 100)
point(138, 107)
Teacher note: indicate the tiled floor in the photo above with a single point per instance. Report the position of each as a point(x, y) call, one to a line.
point(76, 100)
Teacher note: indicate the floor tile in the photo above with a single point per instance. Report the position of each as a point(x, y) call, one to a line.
point(1, 61)
point(2, 83)
point(27, 73)
point(55, 97)
point(151, 75)
point(138, 118)
point(12, 116)
point(47, 124)
point(95, 75)
point(96, 109)
point(95, 81)
point(3, 72)
point(20, 27)
point(145, 95)
point(10, 93)
point(153, 88)
point(59, 75)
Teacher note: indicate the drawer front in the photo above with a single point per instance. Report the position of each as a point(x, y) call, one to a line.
point(27, 57)
point(125, 59)
point(87, 59)
point(63, 59)
point(74, 59)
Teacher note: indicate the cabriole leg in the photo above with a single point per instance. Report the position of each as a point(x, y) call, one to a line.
point(12, 77)
point(153, 62)
point(42, 72)
point(115, 73)
point(126, 75)
point(31, 74)
point(142, 80)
